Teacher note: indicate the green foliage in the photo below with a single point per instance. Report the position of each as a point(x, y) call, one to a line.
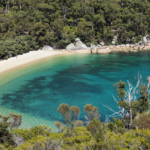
point(16, 46)
point(117, 126)
point(143, 99)
point(120, 88)
point(13, 121)
point(97, 129)
point(98, 138)
point(33, 132)
point(2, 147)
point(91, 112)
point(5, 136)
point(57, 22)
point(70, 114)
point(142, 121)
point(130, 105)
point(79, 138)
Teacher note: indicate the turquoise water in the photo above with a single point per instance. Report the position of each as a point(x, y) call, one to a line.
point(37, 90)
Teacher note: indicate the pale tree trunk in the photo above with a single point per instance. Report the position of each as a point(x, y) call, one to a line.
point(130, 115)
point(7, 5)
point(92, 25)
point(64, 11)
point(13, 2)
point(20, 4)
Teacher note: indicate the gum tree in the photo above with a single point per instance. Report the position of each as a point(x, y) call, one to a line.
point(132, 100)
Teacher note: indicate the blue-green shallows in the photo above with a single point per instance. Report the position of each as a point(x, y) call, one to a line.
point(36, 90)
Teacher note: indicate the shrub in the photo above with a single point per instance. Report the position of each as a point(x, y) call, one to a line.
point(142, 121)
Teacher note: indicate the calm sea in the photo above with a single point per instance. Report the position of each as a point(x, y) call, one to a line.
point(36, 90)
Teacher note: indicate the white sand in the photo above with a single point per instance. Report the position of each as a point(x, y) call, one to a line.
point(32, 56)
point(27, 58)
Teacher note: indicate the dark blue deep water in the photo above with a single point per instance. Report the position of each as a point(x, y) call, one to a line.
point(37, 90)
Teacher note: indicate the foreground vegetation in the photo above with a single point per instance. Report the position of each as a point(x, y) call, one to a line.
point(94, 136)
point(27, 25)
point(130, 131)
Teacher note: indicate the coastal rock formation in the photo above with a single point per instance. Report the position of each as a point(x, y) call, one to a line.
point(121, 48)
point(71, 46)
point(79, 44)
point(76, 45)
point(144, 39)
point(47, 47)
point(101, 48)
point(102, 43)
point(114, 40)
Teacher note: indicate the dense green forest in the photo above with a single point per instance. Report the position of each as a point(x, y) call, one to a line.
point(30, 24)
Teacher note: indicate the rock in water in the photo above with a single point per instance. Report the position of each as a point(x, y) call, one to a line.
point(71, 46)
point(79, 45)
point(47, 47)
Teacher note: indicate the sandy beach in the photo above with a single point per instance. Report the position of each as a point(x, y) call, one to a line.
point(32, 56)
point(27, 58)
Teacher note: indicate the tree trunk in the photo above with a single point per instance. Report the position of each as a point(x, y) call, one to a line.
point(130, 115)
point(8, 6)
point(1, 2)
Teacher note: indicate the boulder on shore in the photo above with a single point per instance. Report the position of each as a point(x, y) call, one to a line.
point(144, 39)
point(76, 45)
point(114, 40)
point(79, 44)
point(102, 43)
point(47, 47)
point(71, 46)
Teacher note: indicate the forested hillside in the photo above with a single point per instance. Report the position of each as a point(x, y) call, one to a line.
point(30, 24)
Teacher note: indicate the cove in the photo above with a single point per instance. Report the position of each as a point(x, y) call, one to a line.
point(36, 90)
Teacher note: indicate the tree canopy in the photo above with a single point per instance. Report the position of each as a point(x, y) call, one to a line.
point(57, 22)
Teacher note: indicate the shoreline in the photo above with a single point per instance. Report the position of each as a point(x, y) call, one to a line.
point(34, 56)
point(25, 59)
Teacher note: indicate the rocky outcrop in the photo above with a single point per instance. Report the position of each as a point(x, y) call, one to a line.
point(76, 45)
point(142, 45)
point(47, 47)
point(144, 39)
point(79, 44)
point(70, 47)
point(114, 40)
point(102, 43)
point(122, 48)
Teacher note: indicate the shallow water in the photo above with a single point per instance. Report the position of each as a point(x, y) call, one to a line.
point(37, 90)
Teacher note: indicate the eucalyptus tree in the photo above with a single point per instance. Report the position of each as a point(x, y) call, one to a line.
point(70, 114)
point(132, 100)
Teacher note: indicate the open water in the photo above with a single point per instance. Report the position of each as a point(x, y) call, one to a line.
point(36, 90)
